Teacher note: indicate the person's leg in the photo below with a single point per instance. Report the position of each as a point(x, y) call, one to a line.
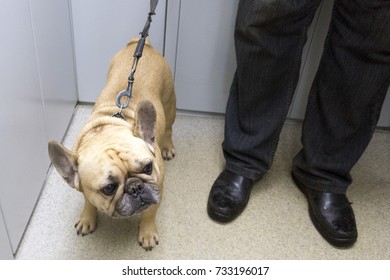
point(344, 104)
point(269, 38)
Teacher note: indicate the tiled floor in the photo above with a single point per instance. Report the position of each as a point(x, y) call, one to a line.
point(275, 224)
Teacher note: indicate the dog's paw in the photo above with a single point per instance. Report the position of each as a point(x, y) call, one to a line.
point(85, 225)
point(147, 237)
point(167, 147)
point(168, 153)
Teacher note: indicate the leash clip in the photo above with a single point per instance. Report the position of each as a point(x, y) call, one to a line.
point(124, 93)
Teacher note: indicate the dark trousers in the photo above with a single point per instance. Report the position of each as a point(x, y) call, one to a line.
point(345, 99)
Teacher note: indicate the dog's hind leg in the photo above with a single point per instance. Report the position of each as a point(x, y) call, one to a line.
point(167, 147)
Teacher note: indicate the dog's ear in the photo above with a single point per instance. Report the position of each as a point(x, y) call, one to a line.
point(65, 163)
point(146, 122)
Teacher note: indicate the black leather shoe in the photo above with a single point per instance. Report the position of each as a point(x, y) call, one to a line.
point(228, 196)
point(332, 215)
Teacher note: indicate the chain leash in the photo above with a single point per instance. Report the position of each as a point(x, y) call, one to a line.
point(128, 92)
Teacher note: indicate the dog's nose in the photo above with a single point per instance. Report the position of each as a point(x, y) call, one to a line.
point(134, 186)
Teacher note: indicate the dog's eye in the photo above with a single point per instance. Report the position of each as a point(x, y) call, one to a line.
point(148, 169)
point(109, 189)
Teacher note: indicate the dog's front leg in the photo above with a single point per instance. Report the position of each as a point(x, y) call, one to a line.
point(87, 221)
point(147, 232)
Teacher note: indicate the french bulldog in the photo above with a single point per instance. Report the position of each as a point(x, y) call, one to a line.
point(117, 163)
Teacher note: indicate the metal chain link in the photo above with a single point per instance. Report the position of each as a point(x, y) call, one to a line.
point(128, 92)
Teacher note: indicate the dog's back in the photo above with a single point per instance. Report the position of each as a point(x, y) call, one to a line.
point(152, 66)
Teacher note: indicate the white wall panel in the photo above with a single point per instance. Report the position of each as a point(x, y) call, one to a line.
point(52, 29)
point(200, 48)
point(311, 59)
point(205, 54)
point(101, 29)
point(23, 160)
point(205, 59)
point(6, 250)
point(37, 76)
point(384, 120)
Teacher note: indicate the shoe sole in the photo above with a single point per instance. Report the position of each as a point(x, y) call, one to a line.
point(220, 217)
point(335, 241)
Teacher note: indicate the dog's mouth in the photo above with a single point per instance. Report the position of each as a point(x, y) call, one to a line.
point(138, 197)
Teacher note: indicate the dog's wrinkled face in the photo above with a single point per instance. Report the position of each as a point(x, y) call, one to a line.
point(120, 177)
point(118, 167)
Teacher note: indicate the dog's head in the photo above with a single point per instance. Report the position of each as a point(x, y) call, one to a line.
point(119, 170)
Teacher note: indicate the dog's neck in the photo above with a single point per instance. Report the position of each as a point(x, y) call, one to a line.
point(101, 118)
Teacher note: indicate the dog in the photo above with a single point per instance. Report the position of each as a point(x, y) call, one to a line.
point(118, 163)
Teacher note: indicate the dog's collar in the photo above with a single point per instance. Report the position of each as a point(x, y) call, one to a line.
point(92, 127)
point(118, 115)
